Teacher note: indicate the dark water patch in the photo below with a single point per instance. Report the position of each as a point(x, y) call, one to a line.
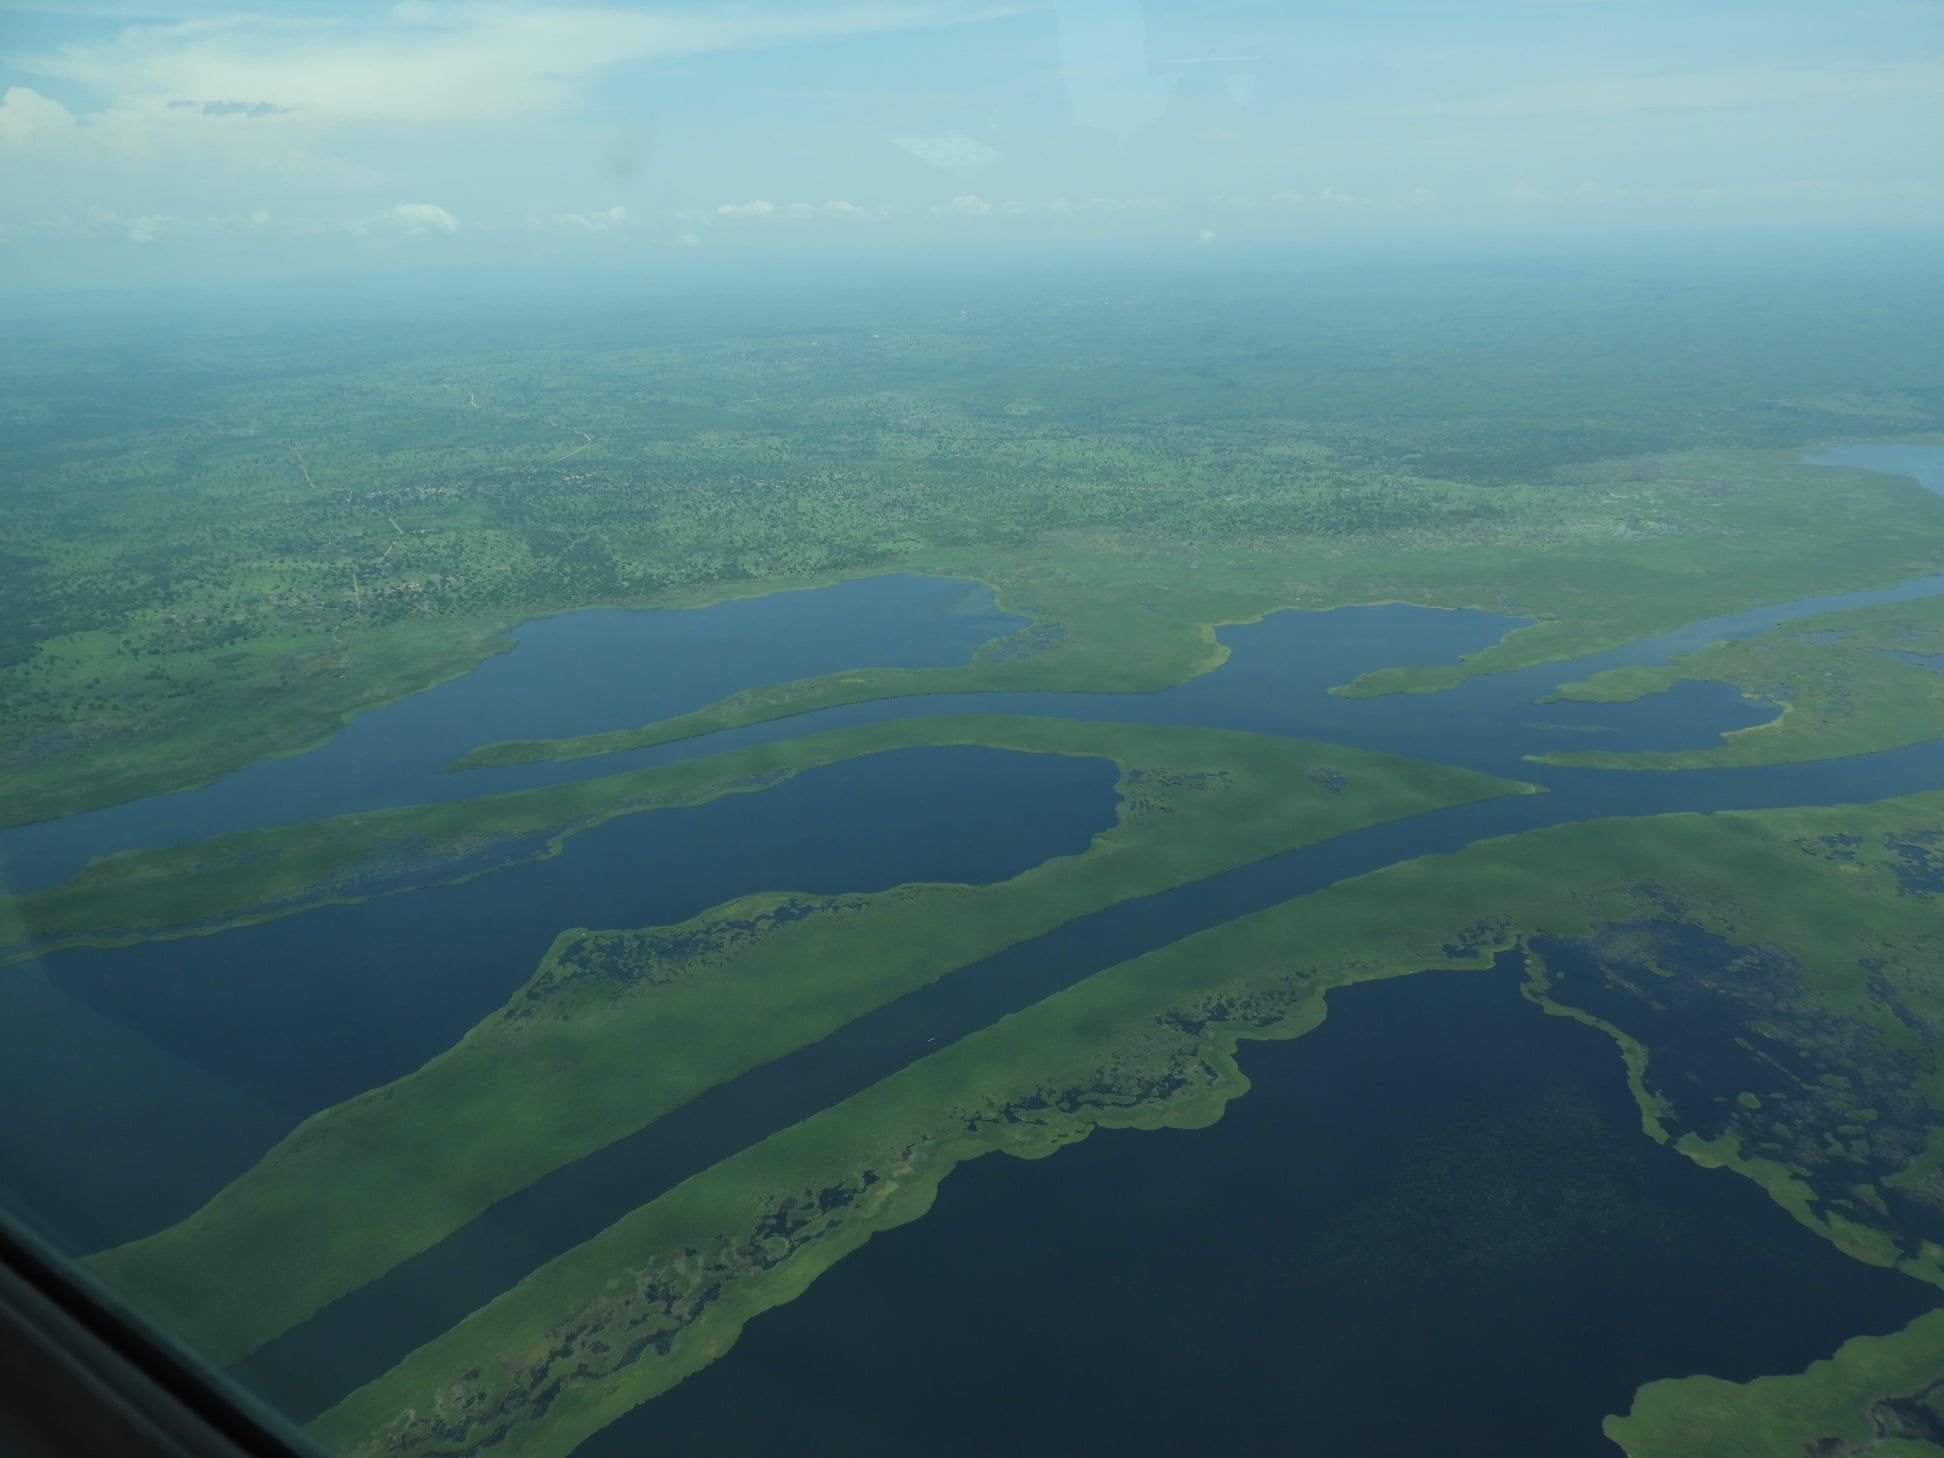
point(296, 1014)
point(1742, 1041)
point(1693, 1000)
point(1920, 862)
point(578, 673)
point(1432, 1226)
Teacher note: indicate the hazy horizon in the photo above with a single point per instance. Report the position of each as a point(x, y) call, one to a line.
point(211, 144)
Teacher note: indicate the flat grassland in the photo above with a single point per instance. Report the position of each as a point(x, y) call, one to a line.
point(616, 1028)
point(1152, 1042)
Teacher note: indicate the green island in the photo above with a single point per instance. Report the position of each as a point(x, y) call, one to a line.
point(1842, 689)
point(1847, 926)
point(207, 886)
point(616, 1028)
point(1878, 1395)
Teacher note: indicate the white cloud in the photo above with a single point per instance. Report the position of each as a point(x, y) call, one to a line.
point(24, 112)
point(422, 218)
point(595, 222)
point(847, 211)
point(970, 205)
point(473, 60)
point(1133, 207)
point(689, 238)
point(1206, 238)
point(760, 208)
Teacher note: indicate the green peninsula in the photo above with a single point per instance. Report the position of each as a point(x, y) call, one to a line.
point(231, 880)
point(616, 1028)
point(1880, 1396)
point(1842, 689)
point(1847, 917)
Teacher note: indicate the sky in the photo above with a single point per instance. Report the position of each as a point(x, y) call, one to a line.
point(152, 143)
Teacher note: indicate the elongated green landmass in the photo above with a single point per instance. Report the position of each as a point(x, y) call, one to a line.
point(1842, 693)
point(1642, 547)
point(256, 875)
point(1878, 1395)
point(617, 1028)
point(1152, 1042)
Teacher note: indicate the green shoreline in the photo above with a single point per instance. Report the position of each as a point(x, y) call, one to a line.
point(615, 1029)
point(233, 880)
point(1148, 1043)
point(1841, 693)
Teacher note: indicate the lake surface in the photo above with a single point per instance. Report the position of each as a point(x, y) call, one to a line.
point(210, 1048)
point(1431, 1226)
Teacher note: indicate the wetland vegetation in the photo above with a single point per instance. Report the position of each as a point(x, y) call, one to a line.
point(232, 542)
point(617, 1027)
